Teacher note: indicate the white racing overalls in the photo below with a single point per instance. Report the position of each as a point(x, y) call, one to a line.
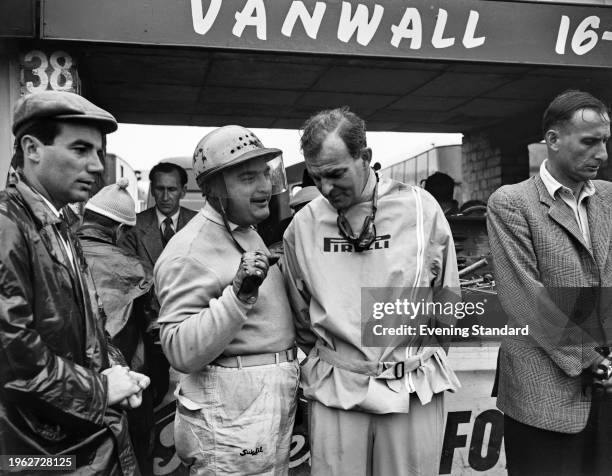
point(237, 394)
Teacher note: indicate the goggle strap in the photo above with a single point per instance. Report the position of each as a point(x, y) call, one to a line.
point(347, 231)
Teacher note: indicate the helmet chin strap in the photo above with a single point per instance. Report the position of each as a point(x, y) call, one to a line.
point(227, 225)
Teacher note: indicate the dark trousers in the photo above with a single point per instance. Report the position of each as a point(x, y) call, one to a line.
point(142, 432)
point(537, 452)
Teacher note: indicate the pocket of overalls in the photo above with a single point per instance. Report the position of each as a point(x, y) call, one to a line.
point(193, 436)
point(247, 421)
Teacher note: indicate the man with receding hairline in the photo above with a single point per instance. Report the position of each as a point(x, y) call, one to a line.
point(551, 239)
point(373, 410)
point(156, 225)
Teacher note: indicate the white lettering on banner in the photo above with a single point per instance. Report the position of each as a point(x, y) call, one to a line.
point(361, 22)
point(356, 24)
point(562, 36)
point(584, 38)
point(437, 39)
point(469, 41)
point(409, 27)
point(253, 14)
point(384, 25)
point(310, 23)
point(201, 23)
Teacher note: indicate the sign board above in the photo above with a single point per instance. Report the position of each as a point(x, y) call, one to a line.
point(469, 30)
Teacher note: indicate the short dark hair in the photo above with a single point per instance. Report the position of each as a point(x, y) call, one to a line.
point(440, 185)
point(45, 130)
point(168, 168)
point(348, 125)
point(562, 108)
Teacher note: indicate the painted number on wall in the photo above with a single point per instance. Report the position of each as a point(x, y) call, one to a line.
point(40, 72)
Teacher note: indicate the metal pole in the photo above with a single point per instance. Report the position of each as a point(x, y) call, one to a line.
point(9, 93)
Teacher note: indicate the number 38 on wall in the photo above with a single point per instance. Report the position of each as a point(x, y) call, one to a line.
point(40, 72)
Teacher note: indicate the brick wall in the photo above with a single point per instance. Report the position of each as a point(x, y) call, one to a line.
point(481, 165)
point(490, 159)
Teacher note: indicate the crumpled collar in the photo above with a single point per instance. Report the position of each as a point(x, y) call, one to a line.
point(368, 189)
point(96, 232)
point(553, 185)
point(34, 200)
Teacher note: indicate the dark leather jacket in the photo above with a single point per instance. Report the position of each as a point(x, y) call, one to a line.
point(53, 398)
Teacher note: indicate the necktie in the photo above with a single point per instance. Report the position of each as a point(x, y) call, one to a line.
point(168, 231)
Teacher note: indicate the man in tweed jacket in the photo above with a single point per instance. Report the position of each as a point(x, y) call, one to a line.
point(551, 237)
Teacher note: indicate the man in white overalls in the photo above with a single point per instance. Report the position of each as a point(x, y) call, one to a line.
point(374, 410)
point(225, 319)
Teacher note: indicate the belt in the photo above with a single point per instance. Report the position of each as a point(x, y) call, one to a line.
point(378, 370)
point(253, 360)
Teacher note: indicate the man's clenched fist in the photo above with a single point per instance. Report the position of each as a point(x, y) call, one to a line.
point(252, 270)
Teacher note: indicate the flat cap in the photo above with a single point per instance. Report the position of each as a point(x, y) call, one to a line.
point(60, 105)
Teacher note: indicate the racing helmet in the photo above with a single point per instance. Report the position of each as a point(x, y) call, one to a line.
point(229, 146)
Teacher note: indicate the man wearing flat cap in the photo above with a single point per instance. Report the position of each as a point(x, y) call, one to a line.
point(63, 387)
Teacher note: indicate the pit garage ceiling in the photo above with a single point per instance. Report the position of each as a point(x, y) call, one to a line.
point(212, 88)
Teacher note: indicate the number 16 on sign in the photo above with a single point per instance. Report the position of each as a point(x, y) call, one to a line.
point(585, 36)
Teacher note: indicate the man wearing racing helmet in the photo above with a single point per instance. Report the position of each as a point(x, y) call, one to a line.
point(225, 319)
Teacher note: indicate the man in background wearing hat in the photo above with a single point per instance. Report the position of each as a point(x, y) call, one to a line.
point(123, 284)
point(225, 320)
point(62, 385)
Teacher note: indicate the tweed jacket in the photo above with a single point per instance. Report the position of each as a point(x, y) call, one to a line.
point(144, 240)
point(549, 279)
